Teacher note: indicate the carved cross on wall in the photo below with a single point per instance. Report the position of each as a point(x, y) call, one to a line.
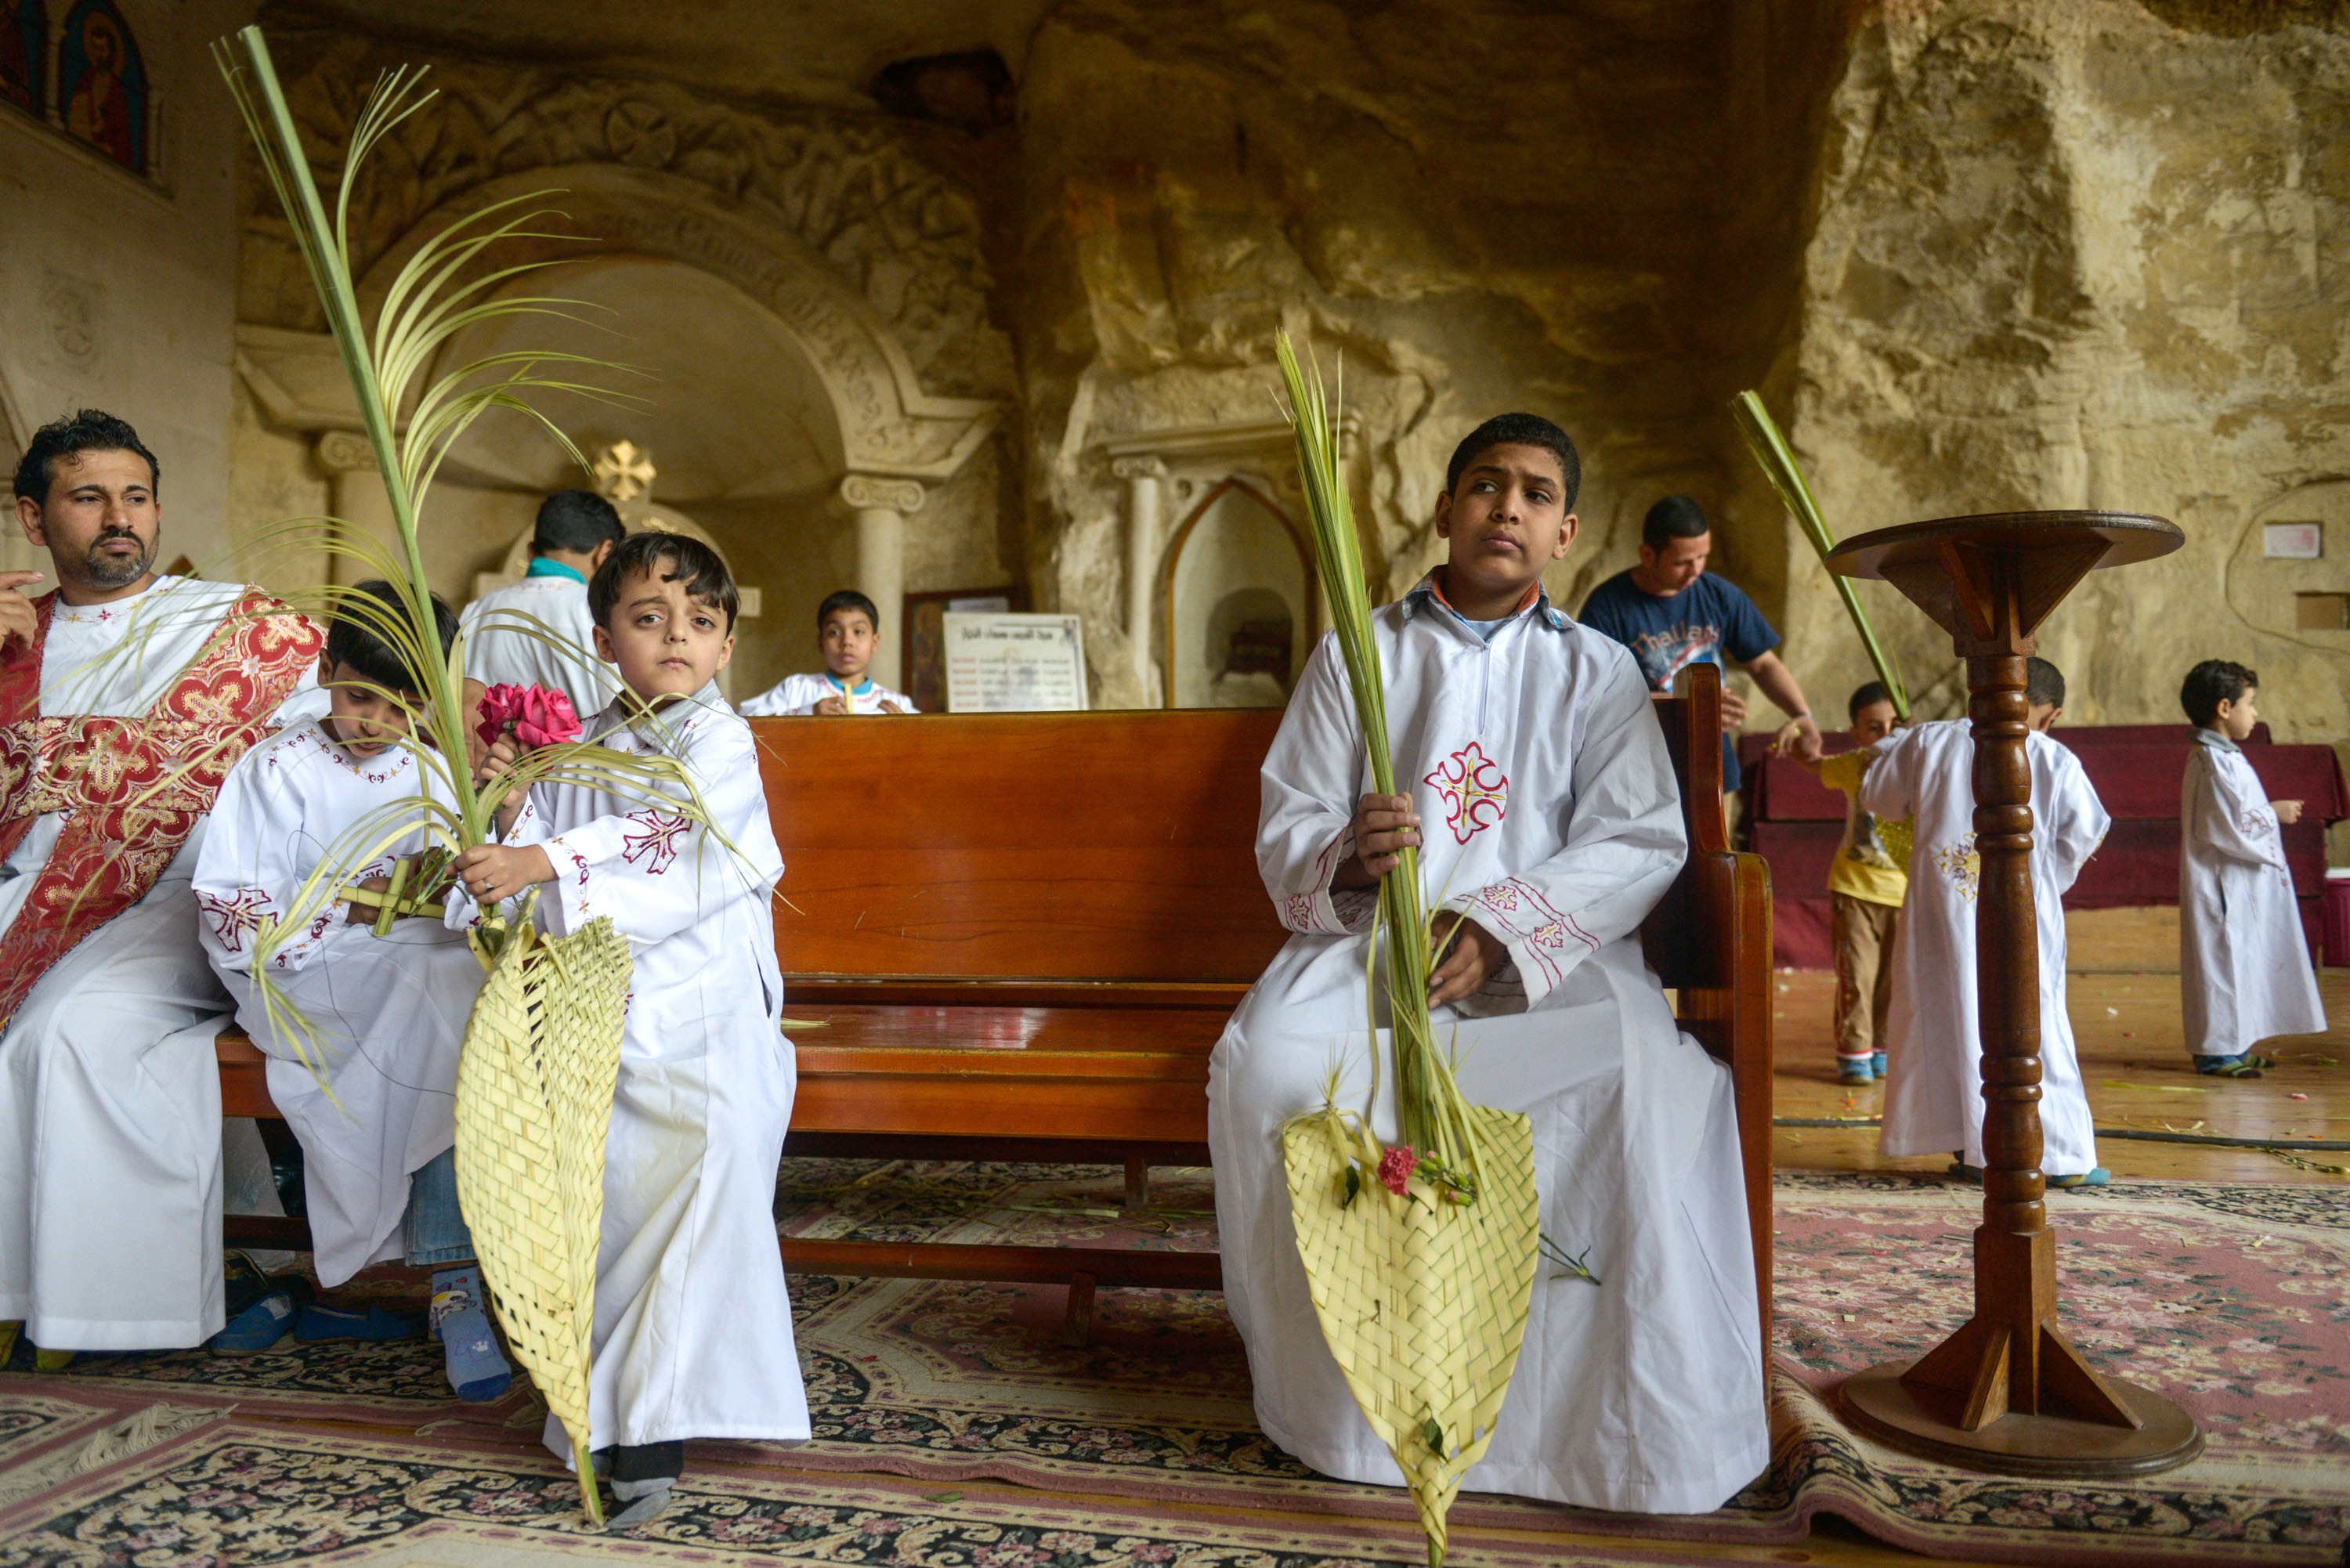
point(624, 472)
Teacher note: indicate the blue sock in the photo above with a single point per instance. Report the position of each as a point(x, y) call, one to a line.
point(461, 1317)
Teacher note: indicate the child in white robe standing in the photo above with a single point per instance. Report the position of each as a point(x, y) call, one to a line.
point(2244, 973)
point(363, 1045)
point(1533, 751)
point(1933, 1099)
point(693, 1334)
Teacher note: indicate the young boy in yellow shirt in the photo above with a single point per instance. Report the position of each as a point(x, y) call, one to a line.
point(1865, 887)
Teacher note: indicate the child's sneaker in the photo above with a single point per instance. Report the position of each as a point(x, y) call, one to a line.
point(257, 1328)
point(1877, 1062)
point(1855, 1070)
point(478, 1371)
point(2245, 1065)
point(2097, 1177)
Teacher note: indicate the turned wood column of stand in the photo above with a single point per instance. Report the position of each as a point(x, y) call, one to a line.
point(2007, 1391)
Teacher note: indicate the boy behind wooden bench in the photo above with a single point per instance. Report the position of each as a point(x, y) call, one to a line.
point(693, 1334)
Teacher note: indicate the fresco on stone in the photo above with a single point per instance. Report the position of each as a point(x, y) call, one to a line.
point(102, 84)
point(24, 24)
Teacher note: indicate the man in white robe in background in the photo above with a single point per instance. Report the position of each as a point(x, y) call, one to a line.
point(1531, 750)
point(110, 1168)
point(1933, 1097)
point(2244, 974)
point(538, 632)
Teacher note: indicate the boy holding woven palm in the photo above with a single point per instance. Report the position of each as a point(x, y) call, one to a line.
point(1532, 753)
point(692, 1331)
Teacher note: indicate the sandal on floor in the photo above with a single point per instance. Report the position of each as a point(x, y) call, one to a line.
point(320, 1324)
point(2244, 1066)
point(2097, 1177)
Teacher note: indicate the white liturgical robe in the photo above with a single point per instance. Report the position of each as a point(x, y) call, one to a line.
point(1550, 816)
point(381, 1018)
point(1933, 1097)
point(538, 632)
point(2244, 973)
point(693, 1331)
point(800, 694)
point(110, 1134)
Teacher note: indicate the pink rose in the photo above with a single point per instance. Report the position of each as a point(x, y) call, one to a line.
point(546, 719)
point(537, 716)
point(1396, 1167)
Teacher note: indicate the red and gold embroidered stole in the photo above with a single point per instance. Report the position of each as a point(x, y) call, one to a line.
point(135, 787)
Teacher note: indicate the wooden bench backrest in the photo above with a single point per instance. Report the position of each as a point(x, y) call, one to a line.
point(1093, 849)
point(1085, 847)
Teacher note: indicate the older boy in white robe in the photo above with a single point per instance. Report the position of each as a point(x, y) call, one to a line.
point(1533, 751)
point(538, 632)
point(2244, 973)
point(693, 1336)
point(124, 698)
point(362, 1033)
point(1933, 1099)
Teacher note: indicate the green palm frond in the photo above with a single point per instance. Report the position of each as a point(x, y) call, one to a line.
point(1777, 461)
point(1431, 1115)
point(444, 289)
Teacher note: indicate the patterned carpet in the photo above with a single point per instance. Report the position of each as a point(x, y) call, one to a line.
point(953, 1425)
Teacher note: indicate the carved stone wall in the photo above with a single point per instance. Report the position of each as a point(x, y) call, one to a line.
point(906, 237)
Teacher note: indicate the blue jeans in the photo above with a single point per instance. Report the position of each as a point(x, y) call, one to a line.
point(437, 1234)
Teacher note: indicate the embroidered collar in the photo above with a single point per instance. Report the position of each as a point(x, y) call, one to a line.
point(376, 768)
point(546, 566)
point(114, 610)
point(1432, 588)
point(2207, 736)
point(660, 730)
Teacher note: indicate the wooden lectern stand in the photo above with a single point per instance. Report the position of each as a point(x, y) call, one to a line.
point(2008, 1392)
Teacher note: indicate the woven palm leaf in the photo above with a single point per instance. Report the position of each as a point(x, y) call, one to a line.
point(535, 1089)
point(1422, 1300)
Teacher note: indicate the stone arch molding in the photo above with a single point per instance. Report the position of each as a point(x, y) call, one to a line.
point(887, 424)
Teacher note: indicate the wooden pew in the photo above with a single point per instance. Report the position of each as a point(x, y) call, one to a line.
point(1023, 933)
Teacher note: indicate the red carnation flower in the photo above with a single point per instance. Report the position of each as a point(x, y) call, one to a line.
point(1396, 1166)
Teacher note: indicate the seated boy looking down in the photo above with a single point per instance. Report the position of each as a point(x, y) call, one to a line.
point(1935, 1103)
point(1554, 821)
point(379, 1019)
point(847, 630)
point(2244, 973)
point(692, 1334)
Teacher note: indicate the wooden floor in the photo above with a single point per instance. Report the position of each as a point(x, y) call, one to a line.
point(2123, 992)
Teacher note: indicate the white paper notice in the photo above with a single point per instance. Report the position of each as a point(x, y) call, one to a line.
point(1014, 664)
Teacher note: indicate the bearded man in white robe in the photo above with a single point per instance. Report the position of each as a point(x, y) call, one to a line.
point(1933, 1096)
point(1531, 748)
point(125, 696)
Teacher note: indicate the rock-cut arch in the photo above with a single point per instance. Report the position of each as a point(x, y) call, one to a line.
point(887, 424)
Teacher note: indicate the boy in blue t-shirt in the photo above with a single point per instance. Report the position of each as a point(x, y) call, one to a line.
point(1673, 613)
